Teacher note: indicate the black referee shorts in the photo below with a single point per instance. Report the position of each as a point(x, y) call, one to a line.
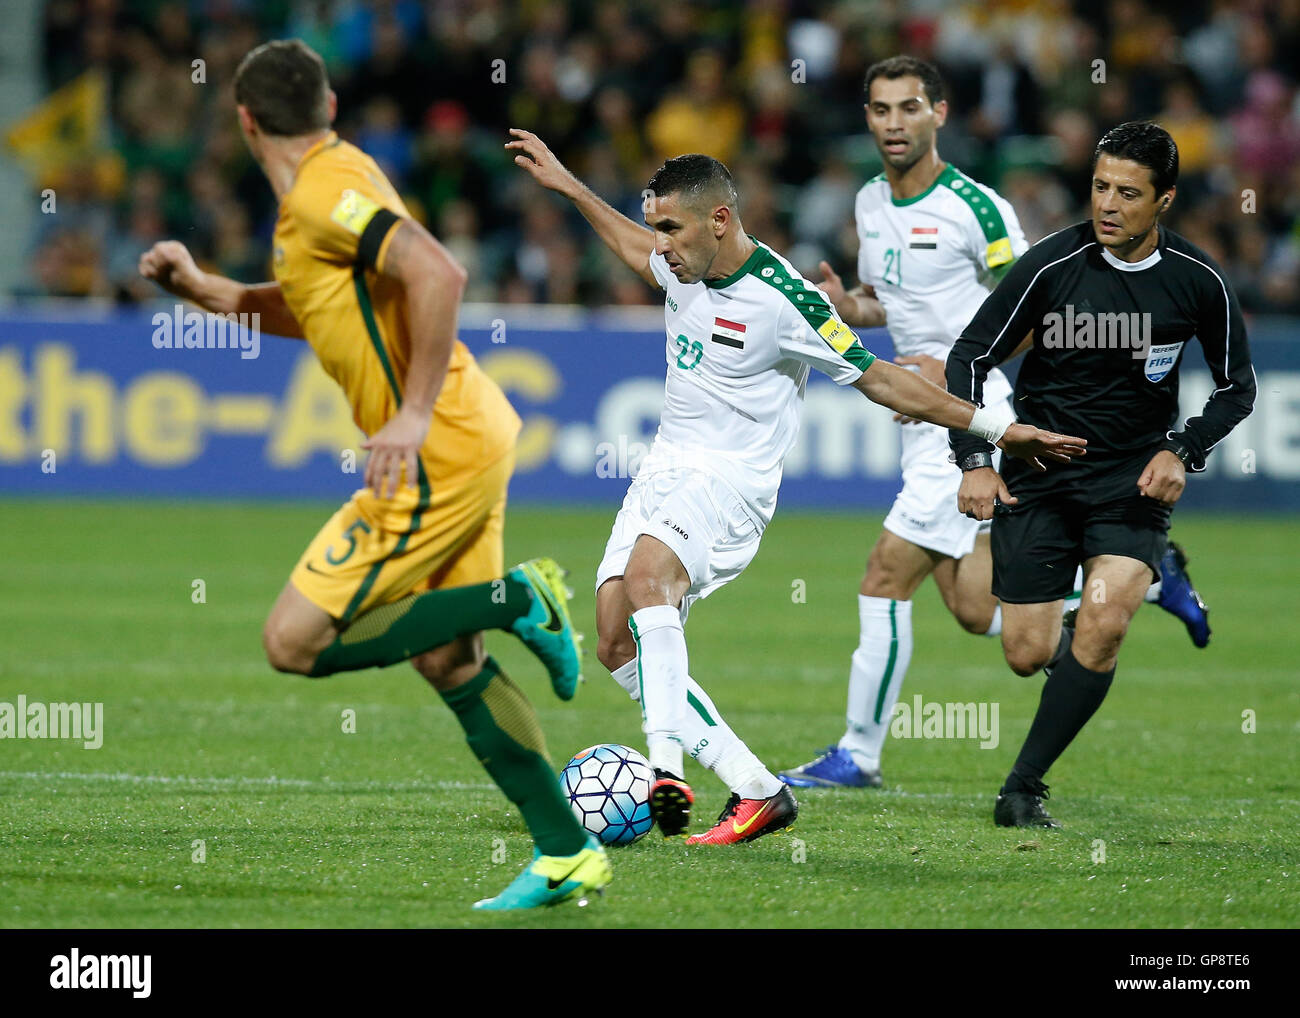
point(1066, 516)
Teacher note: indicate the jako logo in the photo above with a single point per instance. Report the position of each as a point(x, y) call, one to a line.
point(673, 526)
point(73, 971)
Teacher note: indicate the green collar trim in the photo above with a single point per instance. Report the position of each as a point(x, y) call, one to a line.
point(750, 263)
point(946, 176)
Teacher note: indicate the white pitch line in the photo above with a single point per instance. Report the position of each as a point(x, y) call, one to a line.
point(455, 786)
point(244, 782)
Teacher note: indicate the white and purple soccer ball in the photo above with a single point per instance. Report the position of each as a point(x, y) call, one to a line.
point(608, 787)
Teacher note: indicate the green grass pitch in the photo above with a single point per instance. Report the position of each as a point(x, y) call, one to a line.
point(304, 825)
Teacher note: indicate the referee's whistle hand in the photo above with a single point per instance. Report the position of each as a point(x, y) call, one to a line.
point(981, 489)
point(1034, 445)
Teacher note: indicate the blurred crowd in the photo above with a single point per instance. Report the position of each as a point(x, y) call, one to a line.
point(771, 87)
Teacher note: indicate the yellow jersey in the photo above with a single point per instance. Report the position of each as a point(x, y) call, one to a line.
point(330, 242)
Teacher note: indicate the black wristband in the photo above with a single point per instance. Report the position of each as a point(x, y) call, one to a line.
point(975, 461)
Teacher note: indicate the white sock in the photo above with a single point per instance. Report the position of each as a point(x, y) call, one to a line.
point(710, 740)
point(1153, 592)
point(1076, 599)
point(661, 658)
point(876, 675)
point(995, 627)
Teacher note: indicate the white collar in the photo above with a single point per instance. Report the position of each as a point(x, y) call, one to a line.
point(1124, 266)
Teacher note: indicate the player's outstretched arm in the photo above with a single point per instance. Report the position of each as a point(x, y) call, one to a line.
point(169, 264)
point(632, 242)
point(433, 282)
point(908, 393)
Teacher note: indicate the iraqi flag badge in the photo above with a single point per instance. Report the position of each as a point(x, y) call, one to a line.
point(923, 238)
point(729, 333)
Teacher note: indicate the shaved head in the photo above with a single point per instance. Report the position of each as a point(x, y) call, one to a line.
point(700, 184)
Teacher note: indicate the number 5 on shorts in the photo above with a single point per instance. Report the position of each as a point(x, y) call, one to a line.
point(352, 543)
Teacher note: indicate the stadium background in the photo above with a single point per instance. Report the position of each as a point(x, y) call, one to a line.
point(122, 134)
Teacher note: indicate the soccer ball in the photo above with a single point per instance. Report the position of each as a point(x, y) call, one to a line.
point(608, 787)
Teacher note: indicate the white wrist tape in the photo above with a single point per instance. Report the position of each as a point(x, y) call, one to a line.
point(991, 422)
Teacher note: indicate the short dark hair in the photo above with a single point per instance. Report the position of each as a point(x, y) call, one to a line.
point(699, 179)
point(285, 88)
point(902, 67)
point(1147, 144)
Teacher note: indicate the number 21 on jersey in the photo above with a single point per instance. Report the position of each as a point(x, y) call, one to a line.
point(894, 266)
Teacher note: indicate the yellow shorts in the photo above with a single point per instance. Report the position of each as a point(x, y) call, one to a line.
point(372, 552)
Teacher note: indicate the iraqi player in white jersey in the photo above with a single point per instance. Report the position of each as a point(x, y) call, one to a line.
point(742, 330)
point(933, 243)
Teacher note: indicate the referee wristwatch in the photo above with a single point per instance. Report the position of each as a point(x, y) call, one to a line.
point(975, 461)
point(1183, 453)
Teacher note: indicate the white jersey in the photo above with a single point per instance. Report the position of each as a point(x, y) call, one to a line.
point(738, 352)
point(933, 259)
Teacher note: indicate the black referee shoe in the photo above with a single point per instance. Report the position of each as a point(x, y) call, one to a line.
point(1023, 808)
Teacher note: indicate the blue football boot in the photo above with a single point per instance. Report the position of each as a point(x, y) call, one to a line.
point(833, 769)
point(1179, 598)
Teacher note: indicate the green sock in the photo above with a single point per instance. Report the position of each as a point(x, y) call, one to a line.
point(501, 728)
point(401, 629)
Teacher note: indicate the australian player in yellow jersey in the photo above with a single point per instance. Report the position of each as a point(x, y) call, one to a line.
point(412, 566)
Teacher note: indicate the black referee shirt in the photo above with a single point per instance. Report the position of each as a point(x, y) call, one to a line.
point(1109, 338)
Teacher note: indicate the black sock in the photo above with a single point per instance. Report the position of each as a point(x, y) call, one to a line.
point(1062, 648)
point(1071, 695)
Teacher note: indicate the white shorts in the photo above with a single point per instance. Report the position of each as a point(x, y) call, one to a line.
point(925, 511)
point(700, 517)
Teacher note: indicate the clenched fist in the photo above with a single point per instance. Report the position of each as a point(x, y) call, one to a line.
point(169, 264)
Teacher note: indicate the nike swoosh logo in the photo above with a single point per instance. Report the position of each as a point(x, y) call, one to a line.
point(313, 569)
point(553, 624)
point(742, 828)
point(552, 883)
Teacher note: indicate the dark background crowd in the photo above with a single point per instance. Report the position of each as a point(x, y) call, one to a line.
point(771, 87)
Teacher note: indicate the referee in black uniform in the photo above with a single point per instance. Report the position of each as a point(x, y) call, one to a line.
point(1112, 304)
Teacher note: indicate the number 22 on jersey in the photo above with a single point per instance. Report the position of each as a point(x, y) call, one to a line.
point(688, 350)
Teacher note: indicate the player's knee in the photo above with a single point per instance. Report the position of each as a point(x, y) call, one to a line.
point(887, 577)
point(450, 665)
point(285, 654)
point(1097, 646)
point(1025, 660)
point(1097, 650)
point(972, 618)
point(614, 651)
point(643, 588)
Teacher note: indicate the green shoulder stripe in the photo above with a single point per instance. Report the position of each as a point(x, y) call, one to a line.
point(812, 304)
point(998, 255)
point(990, 219)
